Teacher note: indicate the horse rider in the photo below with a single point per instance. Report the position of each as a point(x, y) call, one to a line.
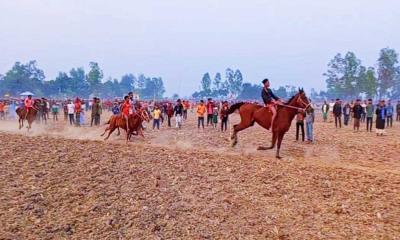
point(28, 103)
point(270, 99)
point(126, 109)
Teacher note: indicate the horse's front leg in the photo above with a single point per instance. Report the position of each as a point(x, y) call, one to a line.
point(280, 138)
point(273, 142)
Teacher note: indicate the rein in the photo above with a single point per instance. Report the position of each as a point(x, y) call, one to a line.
point(297, 108)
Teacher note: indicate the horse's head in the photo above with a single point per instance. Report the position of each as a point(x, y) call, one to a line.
point(300, 100)
point(144, 115)
point(36, 103)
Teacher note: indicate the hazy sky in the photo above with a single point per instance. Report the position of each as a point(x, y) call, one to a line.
point(288, 41)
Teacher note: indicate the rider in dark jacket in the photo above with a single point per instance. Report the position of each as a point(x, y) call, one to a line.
point(270, 99)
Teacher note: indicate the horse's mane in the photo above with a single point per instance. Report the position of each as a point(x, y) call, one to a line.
point(291, 99)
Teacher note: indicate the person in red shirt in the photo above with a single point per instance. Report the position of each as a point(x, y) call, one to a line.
point(210, 109)
point(78, 109)
point(2, 113)
point(125, 109)
point(28, 103)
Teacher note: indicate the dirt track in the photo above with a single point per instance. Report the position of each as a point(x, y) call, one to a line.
point(192, 185)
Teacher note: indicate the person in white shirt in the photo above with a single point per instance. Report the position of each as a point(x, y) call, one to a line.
point(331, 104)
point(71, 111)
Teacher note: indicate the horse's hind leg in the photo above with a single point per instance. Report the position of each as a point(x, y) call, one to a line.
point(105, 131)
point(109, 133)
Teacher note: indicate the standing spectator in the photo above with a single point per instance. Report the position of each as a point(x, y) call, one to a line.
point(178, 111)
point(210, 109)
point(99, 112)
point(389, 114)
point(398, 111)
point(2, 111)
point(215, 117)
point(224, 116)
point(71, 111)
point(370, 114)
point(357, 114)
point(380, 118)
point(300, 125)
point(346, 113)
point(364, 113)
point(65, 109)
point(185, 109)
point(156, 117)
point(115, 109)
point(78, 108)
point(201, 110)
point(54, 111)
point(95, 110)
point(170, 113)
point(331, 104)
point(325, 111)
point(337, 112)
point(11, 109)
point(309, 123)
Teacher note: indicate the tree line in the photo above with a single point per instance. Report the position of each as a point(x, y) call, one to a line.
point(77, 82)
point(346, 77)
point(233, 86)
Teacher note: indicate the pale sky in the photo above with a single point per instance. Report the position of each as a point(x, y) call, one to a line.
point(288, 41)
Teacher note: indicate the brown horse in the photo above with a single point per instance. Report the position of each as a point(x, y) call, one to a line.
point(30, 117)
point(135, 124)
point(251, 113)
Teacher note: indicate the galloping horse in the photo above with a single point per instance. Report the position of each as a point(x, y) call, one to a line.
point(251, 113)
point(135, 124)
point(30, 117)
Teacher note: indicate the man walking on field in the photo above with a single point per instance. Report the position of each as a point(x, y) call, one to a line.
point(337, 112)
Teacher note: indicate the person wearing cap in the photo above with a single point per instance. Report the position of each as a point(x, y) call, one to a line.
point(380, 118)
point(270, 99)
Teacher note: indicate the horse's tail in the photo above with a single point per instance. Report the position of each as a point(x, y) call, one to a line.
point(234, 107)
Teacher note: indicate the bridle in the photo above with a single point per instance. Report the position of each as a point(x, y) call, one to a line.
point(143, 116)
point(300, 102)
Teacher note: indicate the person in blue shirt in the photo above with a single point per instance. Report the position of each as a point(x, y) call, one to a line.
point(270, 99)
point(389, 114)
point(115, 109)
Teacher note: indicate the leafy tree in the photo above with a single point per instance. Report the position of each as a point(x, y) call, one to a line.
point(236, 85)
point(250, 91)
point(370, 84)
point(206, 83)
point(94, 77)
point(281, 92)
point(387, 71)
point(23, 77)
point(128, 82)
point(217, 82)
point(335, 76)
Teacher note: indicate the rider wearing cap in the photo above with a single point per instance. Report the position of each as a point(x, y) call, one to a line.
point(270, 99)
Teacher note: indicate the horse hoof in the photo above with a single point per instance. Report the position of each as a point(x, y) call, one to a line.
point(278, 157)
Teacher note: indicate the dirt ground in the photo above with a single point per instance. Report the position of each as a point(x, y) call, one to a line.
point(62, 182)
